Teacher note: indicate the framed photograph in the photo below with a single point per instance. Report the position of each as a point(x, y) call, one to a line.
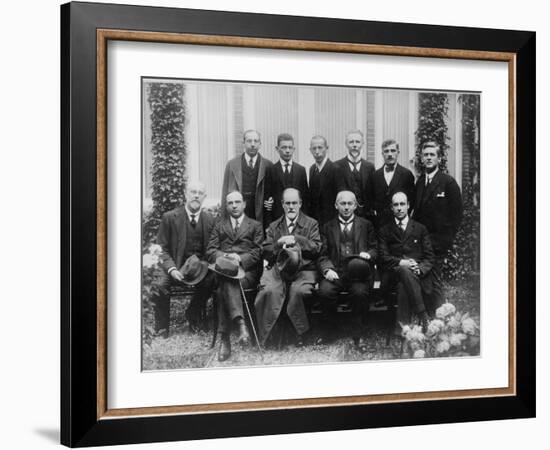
point(279, 224)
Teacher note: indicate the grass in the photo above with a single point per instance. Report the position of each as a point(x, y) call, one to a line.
point(185, 349)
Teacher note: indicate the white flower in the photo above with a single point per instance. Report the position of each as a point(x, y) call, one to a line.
point(442, 346)
point(456, 339)
point(454, 322)
point(419, 354)
point(416, 334)
point(446, 309)
point(155, 249)
point(149, 260)
point(434, 327)
point(469, 326)
point(147, 204)
point(405, 330)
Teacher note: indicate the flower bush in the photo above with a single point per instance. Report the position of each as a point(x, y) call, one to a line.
point(150, 266)
point(451, 333)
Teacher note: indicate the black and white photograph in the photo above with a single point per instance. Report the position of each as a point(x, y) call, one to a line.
point(287, 224)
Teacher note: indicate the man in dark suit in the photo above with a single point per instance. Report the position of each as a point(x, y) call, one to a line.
point(346, 239)
point(356, 175)
point(183, 232)
point(285, 174)
point(389, 179)
point(438, 206)
point(283, 298)
point(406, 258)
point(246, 173)
point(322, 182)
point(239, 238)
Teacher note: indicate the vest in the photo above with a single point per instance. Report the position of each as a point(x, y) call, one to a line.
point(193, 240)
point(347, 245)
point(249, 181)
point(356, 186)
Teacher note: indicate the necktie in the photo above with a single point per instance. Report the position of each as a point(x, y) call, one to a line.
point(236, 226)
point(354, 164)
point(428, 180)
point(389, 168)
point(286, 175)
point(193, 220)
point(291, 226)
point(347, 226)
point(251, 163)
point(315, 170)
point(401, 226)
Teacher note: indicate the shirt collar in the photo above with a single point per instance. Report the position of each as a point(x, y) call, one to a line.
point(346, 222)
point(238, 221)
point(286, 162)
point(351, 161)
point(405, 221)
point(248, 158)
point(189, 213)
point(295, 220)
point(394, 167)
point(323, 162)
point(430, 176)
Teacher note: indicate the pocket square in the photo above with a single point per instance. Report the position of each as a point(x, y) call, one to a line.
point(441, 194)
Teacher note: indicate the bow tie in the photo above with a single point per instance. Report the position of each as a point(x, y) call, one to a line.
point(389, 169)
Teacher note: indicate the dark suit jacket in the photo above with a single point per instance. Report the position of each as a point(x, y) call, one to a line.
point(247, 243)
point(323, 187)
point(438, 206)
point(172, 234)
point(363, 235)
point(402, 181)
point(345, 183)
point(298, 180)
point(306, 233)
point(233, 181)
point(415, 243)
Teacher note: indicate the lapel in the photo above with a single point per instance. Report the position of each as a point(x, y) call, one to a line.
point(261, 169)
point(431, 188)
point(357, 232)
point(300, 223)
point(364, 173)
point(243, 228)
point(335, 230)
point(205, 236)
point(408, 230)
point(420, 183)
point(228, 227)
point(278, 171)
point(395, 178)
point(236, 168)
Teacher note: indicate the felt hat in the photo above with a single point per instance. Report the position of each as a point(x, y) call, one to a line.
point(193, 270)
point(227, 267)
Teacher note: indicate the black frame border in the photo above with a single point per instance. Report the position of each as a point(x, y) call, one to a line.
point(79, 423)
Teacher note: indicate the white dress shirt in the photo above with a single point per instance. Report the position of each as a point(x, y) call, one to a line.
point(430, 176)
point(248, 158)
point(389, 175)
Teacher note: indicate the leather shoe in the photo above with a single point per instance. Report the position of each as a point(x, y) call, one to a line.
point(424, 320)
point(225, 348)
point(360, 345)
point(244, 337)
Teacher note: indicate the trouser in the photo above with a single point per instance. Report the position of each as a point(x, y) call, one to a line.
point(161, 301)
point(409, 294)
point(358, 292)
point(230, 301)
point(436, 299)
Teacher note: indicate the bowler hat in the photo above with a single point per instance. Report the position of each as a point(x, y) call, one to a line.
point(357, 268)
point(193, 270)
point(228, 267)
point(289, 261)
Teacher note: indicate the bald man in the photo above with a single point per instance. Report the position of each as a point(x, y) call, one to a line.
point(406, 256)
point(183, 232)
point(346, 263)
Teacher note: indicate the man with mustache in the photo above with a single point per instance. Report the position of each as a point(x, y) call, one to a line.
point(389, 179)
point(283, 296)
point(356, 174)
point(239, 239)
point(184, 232)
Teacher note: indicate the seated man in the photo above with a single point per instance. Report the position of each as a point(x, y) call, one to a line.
point(183, 232)
point(283, 296)
point(349, 249)
point(407, 256)
point(237, 238)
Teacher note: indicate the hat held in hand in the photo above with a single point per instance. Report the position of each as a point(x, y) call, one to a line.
point(289, 261)
point(228, 267)
point(358, 269)
point(193, 270)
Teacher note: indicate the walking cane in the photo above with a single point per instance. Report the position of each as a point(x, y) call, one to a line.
point(251, 322)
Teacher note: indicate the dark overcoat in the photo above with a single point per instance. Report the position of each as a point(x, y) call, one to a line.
point(298, 180)
point(345, 183)
point(271, 298)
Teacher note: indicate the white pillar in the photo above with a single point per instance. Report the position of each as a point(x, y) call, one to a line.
point(413, 125)
point(306, 124)
point(230, 114)
point(378, 127)
point(249, 110)
point(458, 142)
point(192, 132)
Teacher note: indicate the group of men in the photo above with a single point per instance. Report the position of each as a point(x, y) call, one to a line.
point(332, 229)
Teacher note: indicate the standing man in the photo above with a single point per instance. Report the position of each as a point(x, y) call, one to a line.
point(346, 262)
point(322, 182)
point(406, 257)
point(246, 173)
point(389, 179)
point(283, 297)
point(183, 233)
point(438, 206)
point(235, 246)
point(285, 174)
point(356, 175)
